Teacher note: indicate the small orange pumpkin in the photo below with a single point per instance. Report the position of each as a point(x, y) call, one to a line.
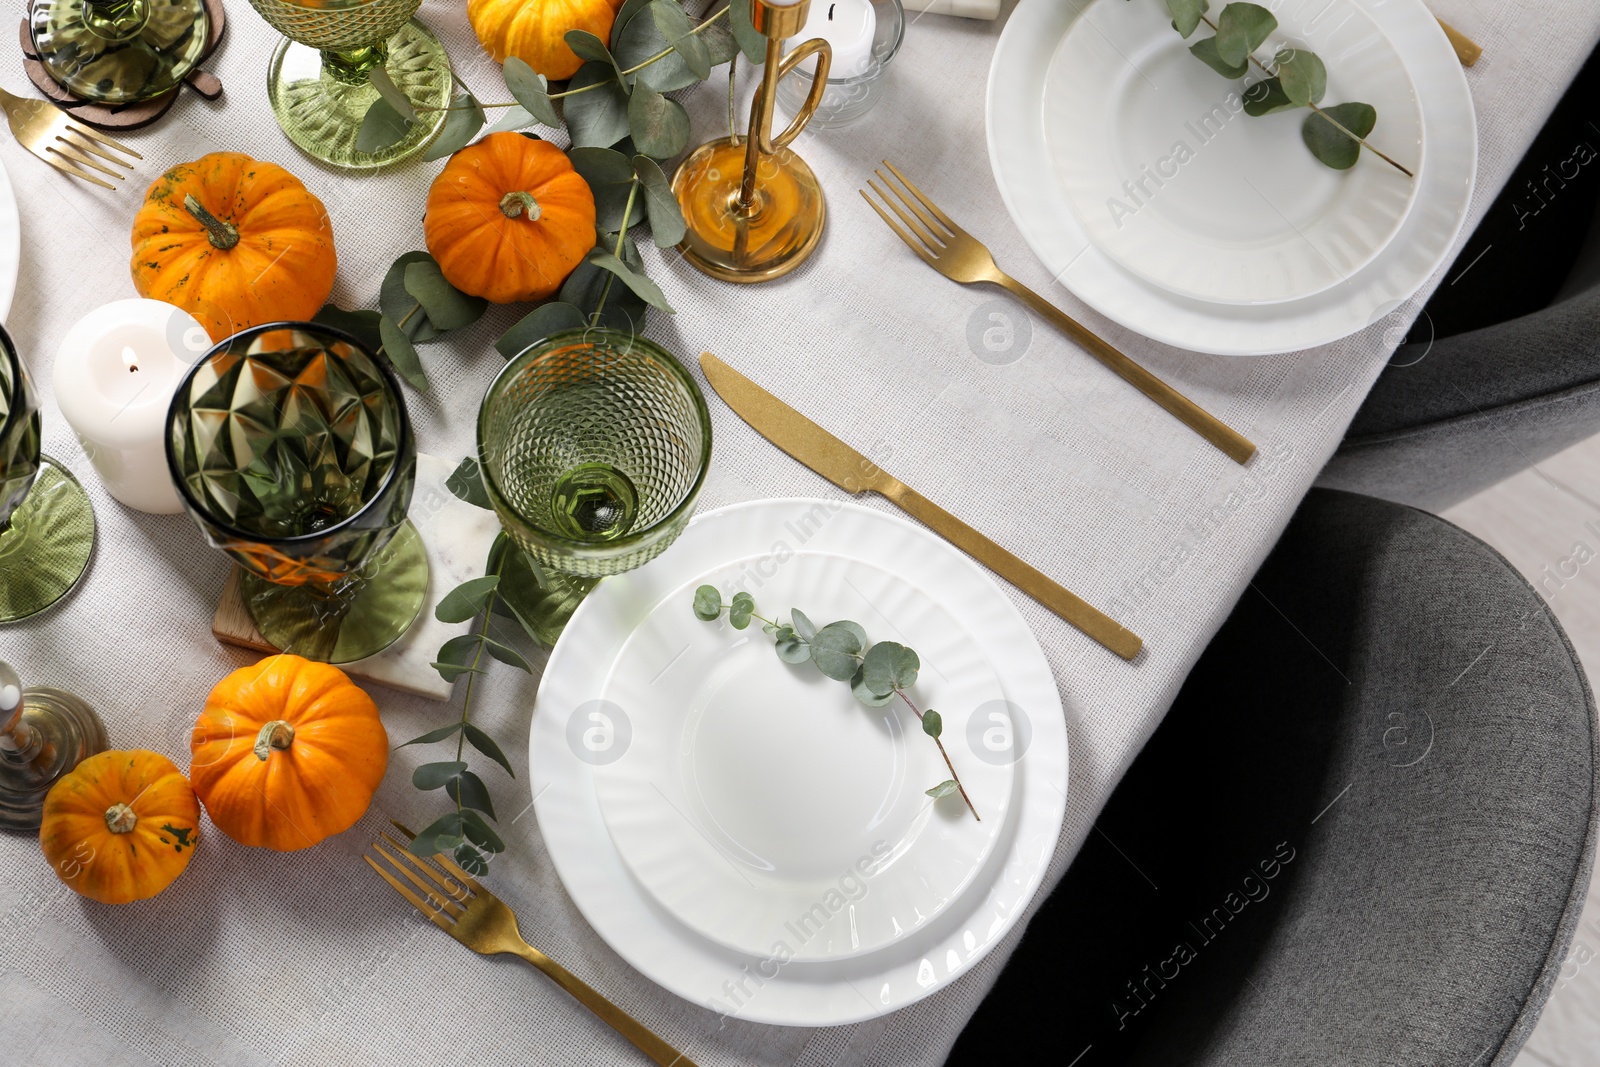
point(509, 218)
point(120, 826)
point(287, 752)
point(536, 32)
point(235, 242)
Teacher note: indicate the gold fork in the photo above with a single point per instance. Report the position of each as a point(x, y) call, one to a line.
point(959, 256)
point(48, 133)
point(478, 919)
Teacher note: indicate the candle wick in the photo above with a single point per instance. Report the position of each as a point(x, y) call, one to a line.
point(830, 11)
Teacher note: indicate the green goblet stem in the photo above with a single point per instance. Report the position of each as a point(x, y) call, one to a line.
point(352, 66)
point(116, 20)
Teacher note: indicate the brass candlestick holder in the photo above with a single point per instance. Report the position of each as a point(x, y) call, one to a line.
point(754, 210)
point(44, 733)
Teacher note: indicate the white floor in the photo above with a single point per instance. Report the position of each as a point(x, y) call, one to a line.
point(1538, 520)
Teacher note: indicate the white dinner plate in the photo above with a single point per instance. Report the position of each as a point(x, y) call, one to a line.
point(10, 243)
point(1020, 156)
point(759, 799)
point(1176, 183)
point(575, 730)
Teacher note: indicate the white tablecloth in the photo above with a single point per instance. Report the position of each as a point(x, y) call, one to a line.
point(255, 957)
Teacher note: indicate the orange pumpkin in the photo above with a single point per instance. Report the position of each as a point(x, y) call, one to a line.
point(287, 752)
point(235, 242)
point(536, 32)
point(120, 826)
point(509, 218)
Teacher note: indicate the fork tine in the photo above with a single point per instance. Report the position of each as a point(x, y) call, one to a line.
point(450, 865)
point(440, 901)
point(911, 242)
point(938, 230)
point(86, 145)
point(71, 151)
point(438, 920)
point(929, 204)
point(103, 139)
point(934, 246)
point(454, 891)
point(67, 168)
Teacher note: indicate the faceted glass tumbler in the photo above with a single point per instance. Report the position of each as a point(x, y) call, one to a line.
point(46, 523)
point(291, 448)
point(594, 446)
point(318, 81)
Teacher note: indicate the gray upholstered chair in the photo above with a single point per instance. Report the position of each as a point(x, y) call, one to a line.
point(1450, 417)
point(1363, 834)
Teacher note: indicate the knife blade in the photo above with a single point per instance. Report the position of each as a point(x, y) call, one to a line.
point(853, 472)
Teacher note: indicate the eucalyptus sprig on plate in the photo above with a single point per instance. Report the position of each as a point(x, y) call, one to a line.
point(1296, 78)
point(877, 672)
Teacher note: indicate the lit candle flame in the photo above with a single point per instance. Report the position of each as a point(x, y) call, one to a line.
point(130, 359)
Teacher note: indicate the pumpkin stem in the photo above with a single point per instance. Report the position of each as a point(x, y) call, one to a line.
point(223, 235)
point(516, 203)
point(121, 819)
point(277, 734)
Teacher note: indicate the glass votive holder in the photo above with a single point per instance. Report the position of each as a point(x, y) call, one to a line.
point(861, 57)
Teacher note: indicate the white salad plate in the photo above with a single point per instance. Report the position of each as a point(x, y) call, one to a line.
point(1019, 151)
point(1174, 181)
point(754, 789)
point(578, 733)
point(10, 243)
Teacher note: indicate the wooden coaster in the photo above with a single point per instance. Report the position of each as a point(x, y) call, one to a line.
point(125, 116)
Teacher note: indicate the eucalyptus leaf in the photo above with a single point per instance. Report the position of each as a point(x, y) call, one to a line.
point(769, 629)
point(479, 833)
point(610, 177)
point(1331, 145)
point(790, 646)
point(803, 624)
point(512, 118)
point(362, 325)
point(864, 693)
point(441, 835)
point(486, 744)
point(434, 735)
point(451, 671)
point(531, 90)
point(546, 320)
point(623, 310)
point(381, 127)
point(471, 860)
point(466, 599)
point(468, 790)
point(889, 666)
point(456, 656)
point(674, 25)
point(401, 306)
point(391, 93)
point(597, 118)
point(506, 654)
point(1186, 14)
point(642, 38)
point(1241, 29)
point(740, 610)
point(539, 606)
point(932, 723)
point(1303, 75)
point(447, 307)
point(1205, 50)
point(461, 124)
point(660, 126)
point(402, 356)
point(586, 45)
point(660, 203)
point(466, 482)
point(642, 287)
point(1267, 98)
point(838, 665)
point(844, 635)
point(721, 45)
point(943, 789)
point(434, 775)
point(707, 603)
point(752, 42)
point(625, 14)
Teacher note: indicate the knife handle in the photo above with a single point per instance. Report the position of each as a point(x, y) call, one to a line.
point(1075, 610)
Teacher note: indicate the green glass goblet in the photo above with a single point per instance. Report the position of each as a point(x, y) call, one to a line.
point(46, 523)
point(119, 51)
point(319, 81)
point(594, 445)
point(290, 447)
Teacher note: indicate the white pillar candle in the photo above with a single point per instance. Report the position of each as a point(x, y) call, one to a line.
point(115, 374)
point(847, 25)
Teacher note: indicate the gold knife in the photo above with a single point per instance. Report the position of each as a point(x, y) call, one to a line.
point(842, 465)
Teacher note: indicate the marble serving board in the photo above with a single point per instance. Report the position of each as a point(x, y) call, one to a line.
point(457, 537)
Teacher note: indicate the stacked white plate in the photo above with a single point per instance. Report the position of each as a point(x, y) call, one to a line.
point(1135, 175)
point(744, 831)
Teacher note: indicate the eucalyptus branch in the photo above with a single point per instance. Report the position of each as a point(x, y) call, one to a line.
point(622, 235)
point(876, 673)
